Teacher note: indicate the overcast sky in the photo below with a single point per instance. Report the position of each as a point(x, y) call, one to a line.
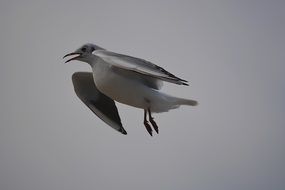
point(232, 52)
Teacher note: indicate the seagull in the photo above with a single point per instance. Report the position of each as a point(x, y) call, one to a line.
point(125, 79)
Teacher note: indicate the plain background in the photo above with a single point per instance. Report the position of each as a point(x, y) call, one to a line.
point(232, 52)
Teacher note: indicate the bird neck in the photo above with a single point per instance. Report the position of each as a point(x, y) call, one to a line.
point(92, 60)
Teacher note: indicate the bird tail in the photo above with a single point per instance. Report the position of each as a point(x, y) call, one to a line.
point(162, 102)
point(182, 101)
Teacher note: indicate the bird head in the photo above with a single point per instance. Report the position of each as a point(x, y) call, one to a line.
point(84, 53)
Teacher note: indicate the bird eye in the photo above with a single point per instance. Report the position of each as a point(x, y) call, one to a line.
point(92, 49)
point(83, 49)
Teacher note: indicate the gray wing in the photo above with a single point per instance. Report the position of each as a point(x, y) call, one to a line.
point(139, 66)
point(100, 104)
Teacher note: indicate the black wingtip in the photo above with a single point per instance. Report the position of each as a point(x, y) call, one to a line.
point(184, 83)
point(182, 80)
point(123, 131)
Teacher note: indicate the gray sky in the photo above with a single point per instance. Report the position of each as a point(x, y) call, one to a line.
point(232, 52)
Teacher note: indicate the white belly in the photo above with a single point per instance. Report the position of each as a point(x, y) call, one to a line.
point(129, 89)
point(122, 89)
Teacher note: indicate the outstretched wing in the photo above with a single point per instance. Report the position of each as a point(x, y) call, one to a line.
point(100, 104)
point(138, 65)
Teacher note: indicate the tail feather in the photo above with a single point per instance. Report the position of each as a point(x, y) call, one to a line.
point(163, 102)
point(182, 101)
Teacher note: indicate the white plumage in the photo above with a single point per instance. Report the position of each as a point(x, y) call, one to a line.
point(132, 81)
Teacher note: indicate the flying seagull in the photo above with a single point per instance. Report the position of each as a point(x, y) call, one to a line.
point(126, 79)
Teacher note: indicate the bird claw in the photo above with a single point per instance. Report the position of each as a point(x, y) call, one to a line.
point(153, 123)
point(148, 127)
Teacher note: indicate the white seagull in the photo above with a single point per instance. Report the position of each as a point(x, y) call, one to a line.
point(128, 80)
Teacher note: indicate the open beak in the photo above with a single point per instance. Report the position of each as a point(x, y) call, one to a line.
point(74, 58)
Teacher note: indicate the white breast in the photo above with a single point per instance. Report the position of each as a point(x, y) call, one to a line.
point(119, 87)
point(130, 90)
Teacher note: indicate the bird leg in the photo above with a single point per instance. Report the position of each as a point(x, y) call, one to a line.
point(152, 121)
point(146, 124)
